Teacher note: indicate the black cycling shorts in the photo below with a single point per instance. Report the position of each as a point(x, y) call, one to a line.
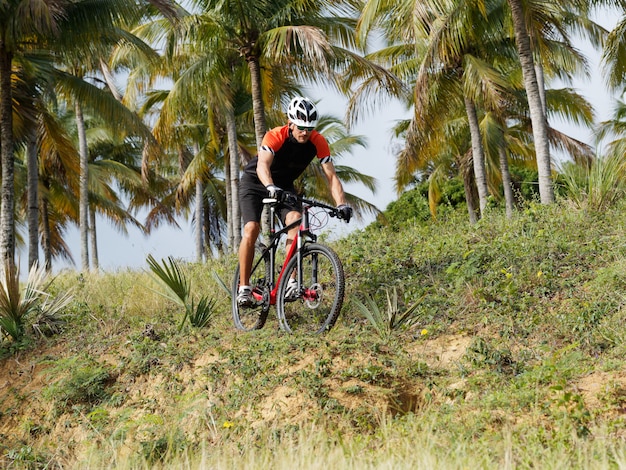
point(251, 194)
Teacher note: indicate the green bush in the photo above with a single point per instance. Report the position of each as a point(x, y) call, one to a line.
point(80, 382)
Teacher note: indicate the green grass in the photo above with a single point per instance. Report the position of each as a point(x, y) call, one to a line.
point(511, 356)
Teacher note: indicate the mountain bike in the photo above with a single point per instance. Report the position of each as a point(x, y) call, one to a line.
point(315, 267)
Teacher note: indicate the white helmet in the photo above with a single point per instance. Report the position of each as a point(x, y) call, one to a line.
point(302, 112)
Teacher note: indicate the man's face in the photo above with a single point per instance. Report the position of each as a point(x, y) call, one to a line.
point(301, 134)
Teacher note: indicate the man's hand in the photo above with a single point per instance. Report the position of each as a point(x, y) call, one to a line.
point(274, 191)
point(344, 212)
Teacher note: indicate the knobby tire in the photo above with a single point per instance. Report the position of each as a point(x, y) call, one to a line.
point(253, 318)
point(318, 306)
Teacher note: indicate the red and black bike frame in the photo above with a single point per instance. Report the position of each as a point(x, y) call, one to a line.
point(303, 231)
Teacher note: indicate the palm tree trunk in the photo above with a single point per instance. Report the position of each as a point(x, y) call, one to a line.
point(541, 84)
point(260, 126)
point(46, 241)
point(83, 193)
point(93, 235)
point(230, 231)
point(506, 181)
point(468, 183)
point(537, 116)
point(258, 107)
point(32, 171)
point(478, 155)
point(199, 221)
point(7, 196)
point(234, 221)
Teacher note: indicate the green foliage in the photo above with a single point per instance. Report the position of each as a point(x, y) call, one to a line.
point(481, 353)
point(410, 205)
point(179, 291)
point(17, 306)
point(393, 319)
point(413, 206)
point(162, 449)
point(27, 457)
point(596, 187)
point(525, 183)
point(78, 382)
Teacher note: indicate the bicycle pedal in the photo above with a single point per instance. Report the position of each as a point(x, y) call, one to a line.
point(249, 303)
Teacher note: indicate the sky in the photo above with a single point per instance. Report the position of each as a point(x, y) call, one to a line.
point(118, 251)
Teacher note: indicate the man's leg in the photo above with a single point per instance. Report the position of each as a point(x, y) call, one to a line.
point(290, 218)
point(292, 286)
point(246, 257)
point(246, 251)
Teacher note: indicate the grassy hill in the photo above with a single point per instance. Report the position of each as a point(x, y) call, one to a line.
point(512, 358)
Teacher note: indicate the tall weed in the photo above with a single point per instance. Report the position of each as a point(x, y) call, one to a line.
point(598, 186)
point(392, 318)
point(178, 290)
point(17, 305)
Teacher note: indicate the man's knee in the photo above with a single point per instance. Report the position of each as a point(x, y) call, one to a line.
point(251, 230)
point(292, 216)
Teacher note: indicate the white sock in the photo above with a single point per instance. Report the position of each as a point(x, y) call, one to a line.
point(242, 288)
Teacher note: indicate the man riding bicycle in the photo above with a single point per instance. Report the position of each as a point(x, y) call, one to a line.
point(285, 153)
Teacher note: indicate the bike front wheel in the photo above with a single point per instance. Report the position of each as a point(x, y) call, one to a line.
point(316, 305)
point(254, 317)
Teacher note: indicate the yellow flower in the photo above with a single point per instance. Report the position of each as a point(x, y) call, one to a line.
point(424, 332)
point(539, 273)
point(228, 424)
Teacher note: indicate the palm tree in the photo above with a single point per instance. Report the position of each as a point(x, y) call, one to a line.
point(278, 38)
point(614, 55)
point(453, 48)
point(99, 102)
point(453, 70)
point(615, 128)
point(199, 103)
point(538, 28)
point(207, 62)
point(27, 105)
point(82, 25)
point(19, 27)
point(493, 48)
point(533, 92)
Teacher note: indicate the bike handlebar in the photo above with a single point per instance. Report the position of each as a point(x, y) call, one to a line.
point(294, 198)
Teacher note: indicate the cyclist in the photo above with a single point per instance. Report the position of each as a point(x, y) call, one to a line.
point(285, 153)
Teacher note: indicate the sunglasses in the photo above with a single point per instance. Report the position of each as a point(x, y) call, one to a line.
point(304, 128)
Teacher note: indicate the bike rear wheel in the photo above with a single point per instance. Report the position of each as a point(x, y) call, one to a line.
point(253, 318)
point(318, 303)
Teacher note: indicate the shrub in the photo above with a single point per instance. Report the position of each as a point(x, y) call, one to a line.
point(18, 306)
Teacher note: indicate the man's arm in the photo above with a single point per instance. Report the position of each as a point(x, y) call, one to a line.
point(336, 188)
point(263, 166)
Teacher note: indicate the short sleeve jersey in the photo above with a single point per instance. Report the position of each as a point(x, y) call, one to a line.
point(290, 157)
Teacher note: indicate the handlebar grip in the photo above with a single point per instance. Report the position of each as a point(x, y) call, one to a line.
point(285, 197)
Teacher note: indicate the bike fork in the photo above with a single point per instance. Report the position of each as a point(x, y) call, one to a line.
point(299, 277)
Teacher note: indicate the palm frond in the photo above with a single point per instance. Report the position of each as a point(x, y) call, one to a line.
point(16, 305)
point(171, 276)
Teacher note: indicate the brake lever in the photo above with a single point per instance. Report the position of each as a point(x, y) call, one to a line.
point(289, 198)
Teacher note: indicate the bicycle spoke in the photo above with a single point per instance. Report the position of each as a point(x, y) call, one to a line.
point(321, 293)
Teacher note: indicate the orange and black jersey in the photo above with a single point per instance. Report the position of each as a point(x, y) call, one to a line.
point(290, 157)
